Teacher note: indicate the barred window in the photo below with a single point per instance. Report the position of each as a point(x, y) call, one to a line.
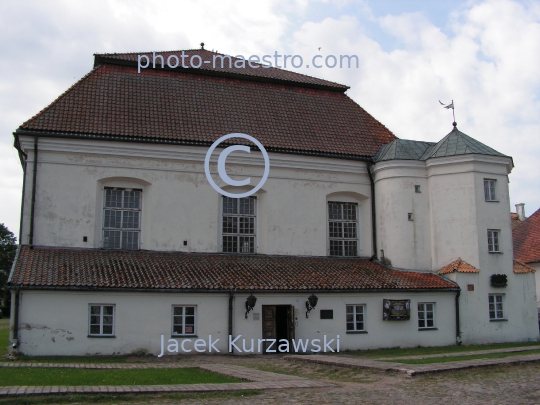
point(343, 229)
point(496, 307)
point(183, 320)
point(101, 320)
point(489, 190)
point(493, 241)
point(426, 315)
point(239, 225)
point(355, 318)
point(121, 218)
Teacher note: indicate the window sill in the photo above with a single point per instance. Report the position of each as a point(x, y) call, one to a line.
point(498, 320)
point(495, 201)
point(355, 332)
point(184, 336)
point(422, 329)
point(495, 253)
point(102, 336)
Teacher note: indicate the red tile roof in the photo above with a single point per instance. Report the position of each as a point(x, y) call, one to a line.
point(259, 73)
point(522, 268)
point(515, 219)
point(526, 239)
point(94, 268)
point(460, 266)
point(116, 101)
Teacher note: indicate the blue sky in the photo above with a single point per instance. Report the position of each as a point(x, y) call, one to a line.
point(483, 54)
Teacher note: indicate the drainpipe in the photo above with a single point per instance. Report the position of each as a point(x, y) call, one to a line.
point(15, 335)
point(21, 223)
point(231, 298)
point(458, 332)
point(33, 202)
point(373, 216)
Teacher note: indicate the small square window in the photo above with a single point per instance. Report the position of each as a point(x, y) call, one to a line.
point(417, 188)
point(493, 240)
point(355, 317)
point(426, 315)
point(101, 320)
point(489, 190)
point(496, 311)
point(184, 320)
point(410, 216)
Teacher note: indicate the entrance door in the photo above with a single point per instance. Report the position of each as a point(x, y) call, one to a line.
point(278, 323)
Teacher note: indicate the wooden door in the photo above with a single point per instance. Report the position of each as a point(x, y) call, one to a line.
point(291, 320)
point(269, 325)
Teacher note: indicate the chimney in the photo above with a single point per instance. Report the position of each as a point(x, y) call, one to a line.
point(520, 211)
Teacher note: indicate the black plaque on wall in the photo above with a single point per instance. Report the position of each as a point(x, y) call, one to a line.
point(396, 310)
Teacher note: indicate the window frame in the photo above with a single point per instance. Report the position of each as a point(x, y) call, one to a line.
point(425, 319)
point(494, 235)
point(122, 211)
point(495, 311)
point(354, 322)
point(490, 193)
point(101, 324)
point(184, 306)
point(238, 215)
point(356, 221)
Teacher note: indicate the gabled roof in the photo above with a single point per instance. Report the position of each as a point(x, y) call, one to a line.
point(454, 144)
point(69, 268)
point(522, 268)
point(526, 237)
point(115, 102)
point(211, 64)
point(460, 266)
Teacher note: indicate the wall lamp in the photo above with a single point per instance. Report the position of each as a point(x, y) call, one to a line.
point(311, 303)
point(250, 303)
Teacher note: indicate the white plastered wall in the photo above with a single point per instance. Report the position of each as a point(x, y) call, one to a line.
point(141, 319)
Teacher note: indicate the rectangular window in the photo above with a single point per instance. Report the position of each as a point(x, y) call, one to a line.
point(101, 320)
point(489, 190)
point(121, 218)
point(355, 318)
point(183, 320)
point(343, 229)
point(496, 307)
point(239, 225)
point(426, 315)
point(493, 241)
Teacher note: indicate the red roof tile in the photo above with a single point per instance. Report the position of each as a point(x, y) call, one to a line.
point(93, 268)
point(515, 219)
point(460, 266)
point(522, 268)
point(526, 239)
point(114, 100)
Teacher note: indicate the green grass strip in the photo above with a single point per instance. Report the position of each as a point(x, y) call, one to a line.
point(72, 376)
point(433, 360)
point(422, 351)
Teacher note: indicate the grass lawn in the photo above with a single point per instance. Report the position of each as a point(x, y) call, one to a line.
point(461, 358)
point(73, 376)
point(422, 351)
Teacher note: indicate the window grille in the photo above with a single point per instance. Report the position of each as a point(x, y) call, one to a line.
point(239, 225)
point(343, 229)
point(121, 218)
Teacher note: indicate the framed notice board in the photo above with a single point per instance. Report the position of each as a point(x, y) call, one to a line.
point(396, 310)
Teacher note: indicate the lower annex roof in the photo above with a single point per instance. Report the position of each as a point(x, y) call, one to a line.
point(90, 269)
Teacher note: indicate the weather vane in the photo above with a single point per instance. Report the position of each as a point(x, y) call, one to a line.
point(451, 105)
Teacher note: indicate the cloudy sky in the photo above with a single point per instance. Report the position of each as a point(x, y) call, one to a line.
point(482, 54)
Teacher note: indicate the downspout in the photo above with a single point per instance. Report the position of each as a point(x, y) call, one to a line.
point(458, 331)
point(373, 216)
point(33, 202)
point(21, 223)
point(15, 335)
point(231, 299)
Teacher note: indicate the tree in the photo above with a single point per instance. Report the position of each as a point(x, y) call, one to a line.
point(8, 248)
